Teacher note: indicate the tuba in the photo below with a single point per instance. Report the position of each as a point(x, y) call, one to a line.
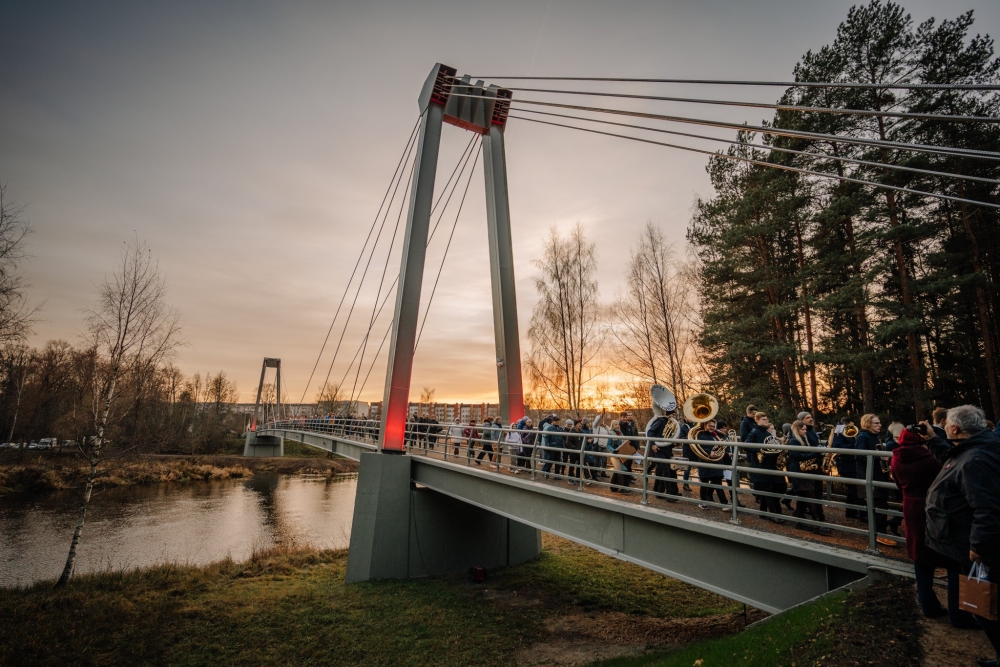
point(664, 404)
point(701, 408)
point(850, 431)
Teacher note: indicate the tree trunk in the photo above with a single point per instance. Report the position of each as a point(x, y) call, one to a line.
point(867, 377)
point(78, 531)
point(917, 372)
point(984, 309)
point(813, 402)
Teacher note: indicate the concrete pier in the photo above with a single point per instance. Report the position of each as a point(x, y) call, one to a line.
point(402, 530)
point(263, 445)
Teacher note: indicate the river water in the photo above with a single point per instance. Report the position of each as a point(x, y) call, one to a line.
point(187, 523)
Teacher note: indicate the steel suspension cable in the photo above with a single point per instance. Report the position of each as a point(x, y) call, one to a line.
point(867, 163)
point(350, 312)
point(778, 131)
point(361, 255)
point(444, 196)
point(406, 150)
point(464, 161)
point(783, 84)
point(778, 107)
point(445, 255)
point(769, 164)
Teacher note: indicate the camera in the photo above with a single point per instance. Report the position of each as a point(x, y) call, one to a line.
point(919, 429)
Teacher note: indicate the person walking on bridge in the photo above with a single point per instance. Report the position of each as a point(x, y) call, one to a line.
point(765, 482)
point(963, 505)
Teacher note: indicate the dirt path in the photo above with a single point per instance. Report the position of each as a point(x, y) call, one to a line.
point(947, 646)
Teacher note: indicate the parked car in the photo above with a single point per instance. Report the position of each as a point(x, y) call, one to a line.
point(47, 443)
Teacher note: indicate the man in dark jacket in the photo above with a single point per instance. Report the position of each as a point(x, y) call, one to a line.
point(767, 483)
point(846, 468)
point(662, 452)
point(747, 423)
point(963, 504)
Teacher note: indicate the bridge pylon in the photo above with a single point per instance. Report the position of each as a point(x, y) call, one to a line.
point(445, 98)
point(400, 530)
point(265, 408)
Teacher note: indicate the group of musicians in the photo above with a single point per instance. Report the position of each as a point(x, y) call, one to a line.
point(770, 487)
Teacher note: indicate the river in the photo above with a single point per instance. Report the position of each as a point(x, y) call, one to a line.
point(186, 523)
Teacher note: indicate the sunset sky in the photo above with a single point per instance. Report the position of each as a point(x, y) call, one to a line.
point(250, 143)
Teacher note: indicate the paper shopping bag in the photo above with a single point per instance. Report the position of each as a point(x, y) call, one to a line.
point(978, 595)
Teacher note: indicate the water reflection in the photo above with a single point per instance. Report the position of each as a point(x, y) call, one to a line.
point(184, 523)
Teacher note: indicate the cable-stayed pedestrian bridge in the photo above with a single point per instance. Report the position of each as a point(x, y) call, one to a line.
point(442, 507)
point(423, 510)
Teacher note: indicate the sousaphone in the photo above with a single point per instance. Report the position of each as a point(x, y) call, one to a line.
point(664, 405)
point(701, 408)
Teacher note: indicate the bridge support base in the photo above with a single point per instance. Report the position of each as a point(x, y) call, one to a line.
point(402, 531)
point(263, 445)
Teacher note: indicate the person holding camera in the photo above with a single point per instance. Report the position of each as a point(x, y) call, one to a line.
point(963, 504)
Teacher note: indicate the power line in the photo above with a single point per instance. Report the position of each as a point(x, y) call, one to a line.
point(769, 164)
point(896, 167)
point(783, 84)
point(779, 107)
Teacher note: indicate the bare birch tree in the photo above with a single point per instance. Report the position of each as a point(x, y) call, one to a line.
point(16, 315)
point(566, 324)
point(652, 319)
point(131, 326)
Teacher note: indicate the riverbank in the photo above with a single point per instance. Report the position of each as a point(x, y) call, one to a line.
point(571, 606)
point(36, 472)
point(292, 607)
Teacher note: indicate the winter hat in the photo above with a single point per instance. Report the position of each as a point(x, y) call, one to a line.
point(909, 439)
point(569, 423)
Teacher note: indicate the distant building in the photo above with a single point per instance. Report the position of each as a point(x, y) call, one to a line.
point(447, 412)
point(303, 409)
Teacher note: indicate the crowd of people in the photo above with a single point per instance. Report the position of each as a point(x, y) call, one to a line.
point(946, 472)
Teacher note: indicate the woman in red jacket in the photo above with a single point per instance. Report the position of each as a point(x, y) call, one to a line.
point(914, 469)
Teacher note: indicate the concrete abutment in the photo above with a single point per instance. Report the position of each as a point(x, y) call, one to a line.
point(402, 530)
point(263, 445)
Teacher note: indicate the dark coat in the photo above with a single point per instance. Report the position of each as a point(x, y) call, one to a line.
point(845, 462)
point(710, 473)
point(914, 469)
point(868, 441)
point(758, 435)
point(795, 460)
point(655, 430)
point(747, 424)
point(963, 504)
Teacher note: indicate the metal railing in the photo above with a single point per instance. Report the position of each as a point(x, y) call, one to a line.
point(582, 463)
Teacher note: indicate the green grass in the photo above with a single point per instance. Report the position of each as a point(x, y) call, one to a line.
point(877, 625)
point(278, 609)
point(767, 645)
point(582, 577)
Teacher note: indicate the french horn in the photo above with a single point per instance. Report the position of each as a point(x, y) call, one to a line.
point(850, 431)
point(769, 449)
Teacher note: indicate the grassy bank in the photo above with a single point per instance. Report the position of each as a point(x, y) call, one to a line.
point(292, 607)
point(51, 472)
point(874, 626)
